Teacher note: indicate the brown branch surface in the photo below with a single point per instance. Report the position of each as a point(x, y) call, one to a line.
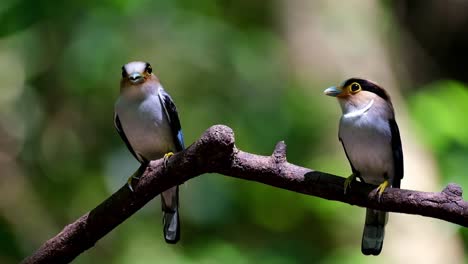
point(215, 152)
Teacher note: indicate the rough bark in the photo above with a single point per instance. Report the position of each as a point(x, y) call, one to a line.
point(216, 152)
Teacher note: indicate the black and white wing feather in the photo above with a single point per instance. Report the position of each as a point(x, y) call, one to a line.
point(397, 154)
point(171, 113)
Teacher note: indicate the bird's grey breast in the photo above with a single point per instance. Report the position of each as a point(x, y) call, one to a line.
point(367, 140)
point(146, 126)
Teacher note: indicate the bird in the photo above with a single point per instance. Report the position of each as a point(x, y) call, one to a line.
point(146, 119)
point(371, 141)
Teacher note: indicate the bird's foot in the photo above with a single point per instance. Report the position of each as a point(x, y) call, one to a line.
point(348, 181)
point(166, 158)
point(136, 175)
point(129, 181)
point(381, 188)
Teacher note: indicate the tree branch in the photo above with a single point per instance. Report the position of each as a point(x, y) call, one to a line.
point(215, 152)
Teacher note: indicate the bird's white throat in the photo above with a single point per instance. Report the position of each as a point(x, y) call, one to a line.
point(359, 112)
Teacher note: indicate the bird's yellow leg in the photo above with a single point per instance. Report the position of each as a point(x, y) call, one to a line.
point(130, 179)
point(382, 188)
point(166, 158)
point(348, 181)
point(136, 175)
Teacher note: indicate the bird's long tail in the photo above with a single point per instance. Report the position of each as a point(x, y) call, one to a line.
point(170, 208)
point(374, 232)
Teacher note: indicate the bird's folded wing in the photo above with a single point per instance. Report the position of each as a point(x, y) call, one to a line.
point(173, 118)
point(119, 128)
point(397, 153)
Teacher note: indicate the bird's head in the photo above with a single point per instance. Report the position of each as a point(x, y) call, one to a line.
point(138, 79)
point(356, 93)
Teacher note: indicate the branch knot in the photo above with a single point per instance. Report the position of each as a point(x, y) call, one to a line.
point(453, 190)
point(279, 154)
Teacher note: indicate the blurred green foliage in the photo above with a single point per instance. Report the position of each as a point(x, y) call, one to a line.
point(440, 111)
point(222, 62)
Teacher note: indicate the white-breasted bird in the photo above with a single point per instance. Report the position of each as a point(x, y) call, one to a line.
point(146, 119)
point(371, 141)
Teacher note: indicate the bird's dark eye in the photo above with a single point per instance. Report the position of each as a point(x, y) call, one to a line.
point(124, 72)
point(148, 69)
point(355, 87)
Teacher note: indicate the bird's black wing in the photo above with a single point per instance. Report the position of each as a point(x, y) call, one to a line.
point(397, 153)
point(173, 118)
point(119, 128)
point(355, 172)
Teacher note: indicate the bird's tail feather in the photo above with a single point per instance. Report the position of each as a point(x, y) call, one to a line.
point(170, 208)
point(374, 232)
